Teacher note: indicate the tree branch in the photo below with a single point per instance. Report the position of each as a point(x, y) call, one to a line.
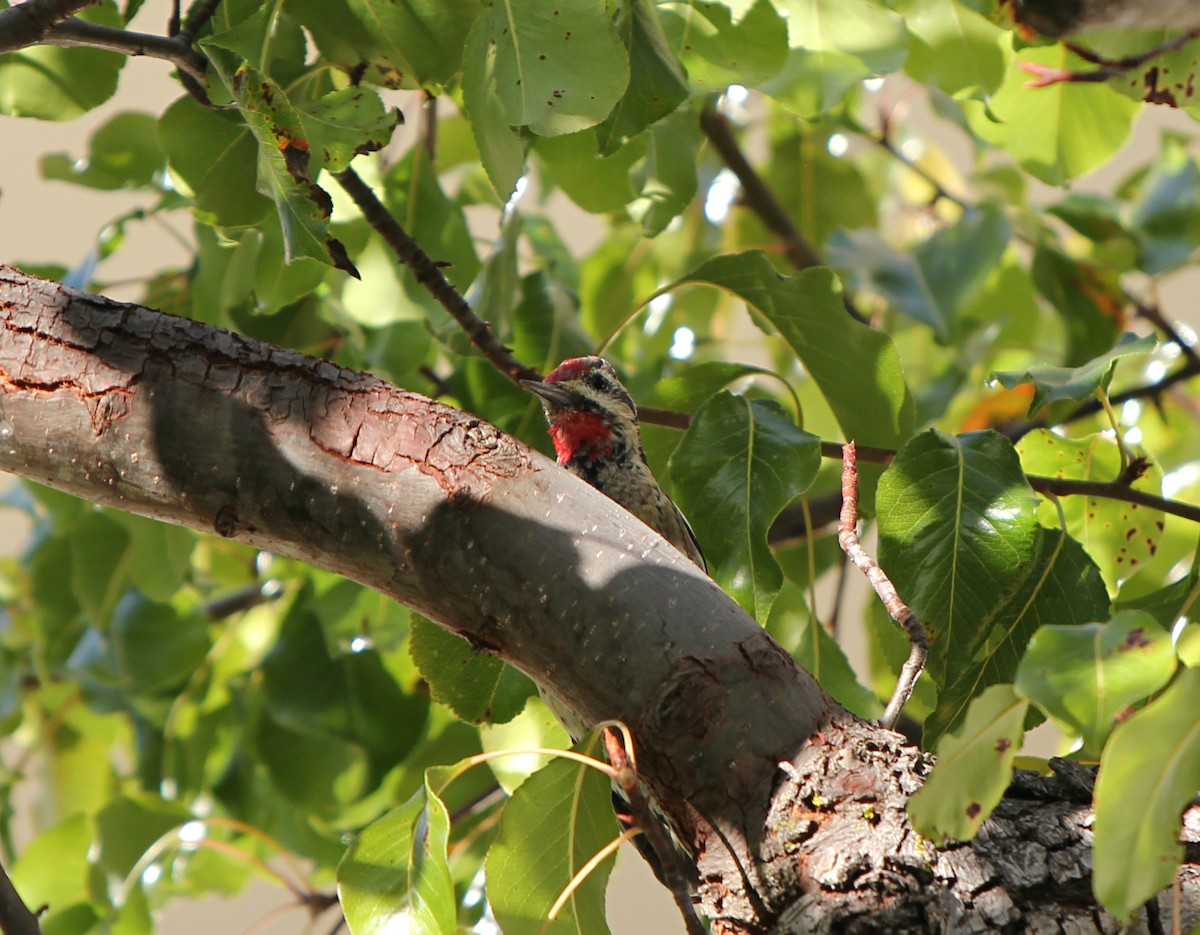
point(15, 917)
point(1190, 369)
point(190, 424)
point(197, 17)
point(761, 200)
point(78, 32)
point(430, 276)
point(1112, 490)
point(28, 23)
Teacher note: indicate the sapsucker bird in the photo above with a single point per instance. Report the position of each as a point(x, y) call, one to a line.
point(594, 426)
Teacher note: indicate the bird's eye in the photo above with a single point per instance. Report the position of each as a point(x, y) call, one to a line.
point(597, 381)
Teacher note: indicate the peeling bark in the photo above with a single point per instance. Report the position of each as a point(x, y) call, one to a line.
point(190, 424)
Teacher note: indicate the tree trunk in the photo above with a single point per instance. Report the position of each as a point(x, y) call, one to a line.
point(190, 424)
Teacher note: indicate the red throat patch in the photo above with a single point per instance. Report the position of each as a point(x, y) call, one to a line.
point(572, 429)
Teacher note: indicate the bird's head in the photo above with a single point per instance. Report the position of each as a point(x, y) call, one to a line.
point(589, 411)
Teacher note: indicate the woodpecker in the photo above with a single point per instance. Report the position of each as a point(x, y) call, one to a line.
point(594, 427)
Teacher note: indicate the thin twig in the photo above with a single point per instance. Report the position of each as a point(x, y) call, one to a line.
point(429, 124)
point(761, 200)
point(896, 608)
point(1046, 75)
point(430, 276)
point(1112, 490)
point(1154, 315)
point(1189, 370)
point(15, 917)
point(197, 18)
point(884, 139)
point(651, 825)
point(78, 32)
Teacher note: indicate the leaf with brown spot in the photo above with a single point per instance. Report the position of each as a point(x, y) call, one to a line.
point(1119, 536)
point(969, 779)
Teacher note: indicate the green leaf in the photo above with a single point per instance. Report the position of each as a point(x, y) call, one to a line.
point(739, 464)
point(53, 868)
point(1053, 385)
point(558, 68)
point(1089, 299)
point(1167, 77)
point(283, 159)
point(1061, 586)
point(99, 569)
point(1150, 772)
point(396, 876)
point(312, 768)
point(159, 555)
point(421, 39)
point(1166, 215)
point(555, 822)
point(476, 686)
point(686, 390)
point(835, 44)
point(345, 123)
point(940, 279)
point(818, 653)
point(657, 81)
point(122, 153)
point(957, 531)
point(130, 824)
point(347, 694)
point(665, 177)
point(855, 366)
point(1120, 536)
point(51, 83)
point(974, 767)
point(1056, 133)
point(597, 183)
point(954, 47)
point(155, 648)
point(500, 149)
point(718, 51)
point(1086, 677)
point(213, 158)
point(413, 192)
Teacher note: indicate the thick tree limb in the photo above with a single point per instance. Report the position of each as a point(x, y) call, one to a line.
point(27, 23)
point(190, 424)
point(16, 918)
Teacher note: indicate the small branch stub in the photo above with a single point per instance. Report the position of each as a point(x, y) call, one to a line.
point(896, 608)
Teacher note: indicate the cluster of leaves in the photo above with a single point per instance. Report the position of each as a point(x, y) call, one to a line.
point(167, 679)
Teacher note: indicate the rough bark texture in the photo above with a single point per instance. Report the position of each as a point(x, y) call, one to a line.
point(192, 425)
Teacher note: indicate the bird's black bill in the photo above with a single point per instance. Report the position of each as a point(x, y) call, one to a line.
point(555, 395)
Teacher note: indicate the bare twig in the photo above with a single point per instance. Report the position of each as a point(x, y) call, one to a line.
point(1154, 315)
point(429, 124)
point(761, 200)
point(1045, 75)
point(1113, 490)
point(78, 32)
point(896, 608)
point(15, 917)
point(669, 859)
point(430, 276)
point(27, 23)
point(1189, 370)
point(197, 17)
point(884, 140)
